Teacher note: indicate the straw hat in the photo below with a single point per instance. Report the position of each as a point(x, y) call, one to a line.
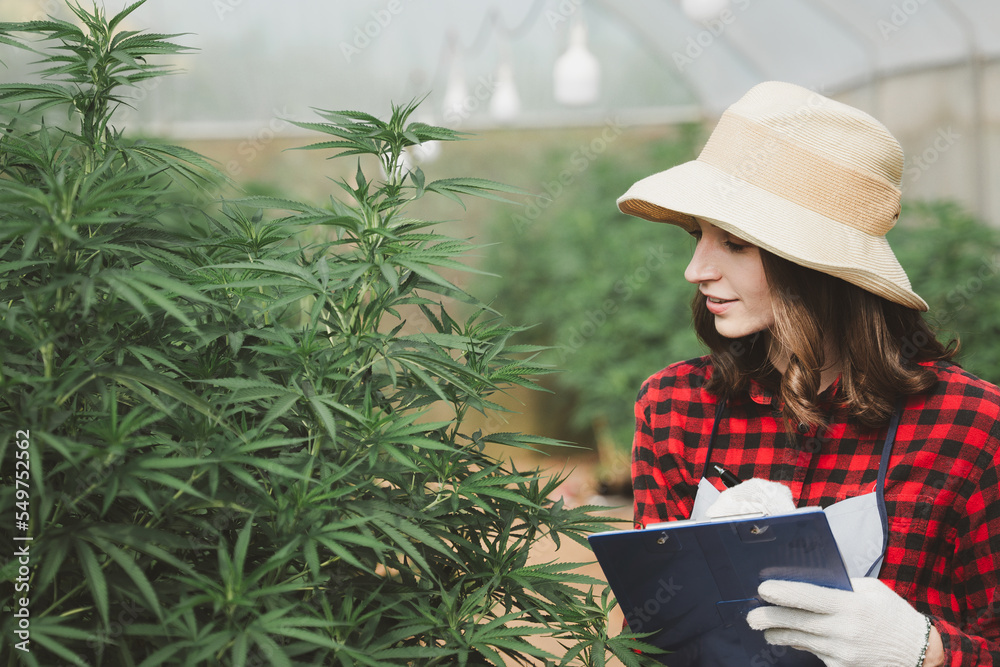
point(809, 179)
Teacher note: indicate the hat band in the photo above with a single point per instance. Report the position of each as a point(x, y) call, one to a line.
point(755, 154)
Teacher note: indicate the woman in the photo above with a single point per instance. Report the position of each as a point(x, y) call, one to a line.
point(824, 386)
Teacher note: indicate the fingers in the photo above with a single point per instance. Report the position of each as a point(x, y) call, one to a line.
point(785, 618)
point(802, 630)
point(803, 641)
point(753, 495)
point(870, 625)
point(800, 595)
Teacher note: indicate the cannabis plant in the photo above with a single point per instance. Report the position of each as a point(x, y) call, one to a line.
point(233, 431)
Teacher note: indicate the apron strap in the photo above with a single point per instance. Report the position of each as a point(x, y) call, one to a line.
point(883, 469)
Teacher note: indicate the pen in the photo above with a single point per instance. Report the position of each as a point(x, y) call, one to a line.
point(728, 478)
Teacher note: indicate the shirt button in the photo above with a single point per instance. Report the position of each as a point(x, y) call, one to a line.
point(803, 428)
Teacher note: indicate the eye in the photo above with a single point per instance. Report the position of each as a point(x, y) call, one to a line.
point(732, 246)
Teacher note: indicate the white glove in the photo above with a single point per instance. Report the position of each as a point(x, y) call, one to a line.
point(752, 496)
point(870, 625)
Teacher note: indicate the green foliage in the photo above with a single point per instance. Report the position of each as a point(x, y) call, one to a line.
point(607, 290)
point(246, 447)
point(609, 294)
point(953, 261)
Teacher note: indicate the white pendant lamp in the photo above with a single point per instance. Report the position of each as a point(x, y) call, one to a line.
point(577, 74)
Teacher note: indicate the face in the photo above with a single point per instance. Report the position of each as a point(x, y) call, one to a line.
point(730, 276)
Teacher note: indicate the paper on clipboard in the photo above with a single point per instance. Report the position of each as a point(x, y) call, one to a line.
point(692, 583)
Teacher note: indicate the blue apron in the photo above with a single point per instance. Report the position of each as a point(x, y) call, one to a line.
point(860, 524)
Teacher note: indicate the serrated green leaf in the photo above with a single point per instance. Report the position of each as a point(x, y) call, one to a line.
point(96, 582)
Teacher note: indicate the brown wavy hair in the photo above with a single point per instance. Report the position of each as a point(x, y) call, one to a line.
point(877, 341)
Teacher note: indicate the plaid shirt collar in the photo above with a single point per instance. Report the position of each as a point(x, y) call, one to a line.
point(761, 395)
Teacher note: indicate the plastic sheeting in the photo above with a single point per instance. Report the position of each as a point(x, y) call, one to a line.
point(927, 68)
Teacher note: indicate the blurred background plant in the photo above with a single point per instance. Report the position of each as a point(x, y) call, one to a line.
point(603, 289)
point(953, 260)
point(609, 295)
point(247, 421)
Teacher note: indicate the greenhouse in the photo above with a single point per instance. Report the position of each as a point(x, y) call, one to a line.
point(322, 333)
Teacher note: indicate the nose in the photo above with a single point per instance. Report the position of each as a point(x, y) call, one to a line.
point(702, 267)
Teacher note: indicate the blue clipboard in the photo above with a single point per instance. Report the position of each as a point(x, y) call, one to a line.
point(693, 583)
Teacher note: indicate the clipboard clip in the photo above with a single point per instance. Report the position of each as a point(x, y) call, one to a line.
point(662, 539)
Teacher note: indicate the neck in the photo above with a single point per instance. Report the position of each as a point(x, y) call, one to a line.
point(827, 375)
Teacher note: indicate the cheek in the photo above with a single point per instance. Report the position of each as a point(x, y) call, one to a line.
point(761, 294)
point(763, 302)
point(754, 281)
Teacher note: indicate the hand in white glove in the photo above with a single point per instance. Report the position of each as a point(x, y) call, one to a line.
point(870, 625)
point(752, 496)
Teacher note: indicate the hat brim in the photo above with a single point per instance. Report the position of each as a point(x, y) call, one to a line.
point(791, 231)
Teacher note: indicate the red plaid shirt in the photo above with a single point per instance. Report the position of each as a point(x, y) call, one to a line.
point(942, 490)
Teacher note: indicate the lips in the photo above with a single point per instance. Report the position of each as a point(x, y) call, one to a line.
point(717, 306)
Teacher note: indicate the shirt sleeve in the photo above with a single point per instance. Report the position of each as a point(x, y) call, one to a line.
point(976, 580)
point(647, 493)
point(662, 483)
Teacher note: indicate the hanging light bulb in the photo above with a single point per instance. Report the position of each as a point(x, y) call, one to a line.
point(456, 94)
point(703, 11)
point(505, 103)
point(404, 165)
point(426, 152)
point(577, 73)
